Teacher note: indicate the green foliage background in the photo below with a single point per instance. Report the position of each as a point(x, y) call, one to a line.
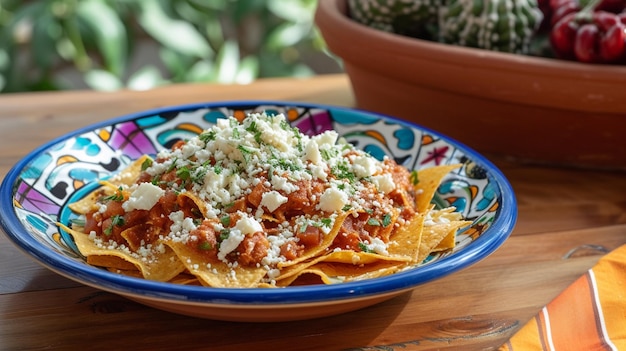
point(98, 42)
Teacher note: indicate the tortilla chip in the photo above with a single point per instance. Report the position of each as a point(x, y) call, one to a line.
point(216, 273)
point(112, 262)
point(408, 238)
point(126, 176)
point(429, 180)
point(162, 266)
point(444, 223)
point(315, 251)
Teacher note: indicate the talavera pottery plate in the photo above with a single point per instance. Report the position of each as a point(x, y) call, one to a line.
point(35, 193)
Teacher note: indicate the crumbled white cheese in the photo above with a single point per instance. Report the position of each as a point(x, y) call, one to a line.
point(378, 246)
point(333, 200)
point(248, 225)
point(312, 152)
point(272, 200)
point(143, 197)
point(228, 245)
point(384, 183)
point(364, 166)
point(326, 139)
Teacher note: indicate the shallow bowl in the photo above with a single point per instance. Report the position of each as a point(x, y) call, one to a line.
point(35, 193)
point(533, 109)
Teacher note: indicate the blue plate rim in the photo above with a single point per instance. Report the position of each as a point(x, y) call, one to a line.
point(479, 249)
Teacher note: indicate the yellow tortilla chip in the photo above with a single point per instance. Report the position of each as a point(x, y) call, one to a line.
point(315, 251)
point(444, 223)
point(127, 176)
point(162, 266)
point(216, 273)
point(408, 238)
point(113, 262)
point(449, 241)
point(337, 272)
point(428, 182)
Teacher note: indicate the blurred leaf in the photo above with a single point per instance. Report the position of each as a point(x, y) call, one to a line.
point(146, 78)
point(201, 71)
point(287, 34)
point(175, 34)
point(209, 4)
point(227, 62)
point(242, 9)
point(65, 48)
point(110, 32)
point(5, 60)
point(102, 80)
point(46, 33)
point(248, 70)
point(302, 71)
point(294, 11)
point(176, 63)
point(214, 33)
point(28, 13)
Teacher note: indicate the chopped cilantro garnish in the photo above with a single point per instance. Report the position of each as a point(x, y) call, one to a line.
point(78, 221)
point(326, 222)
point(183, 173)
point(245, 152)
point(156, 180)
point(207, 136)
point(218, 168)
point(116, 220)
point(413, 177)
point(347, 208)
point(252, 128)
point(198, 174)
point(342, 171)
point(224, 235)
point(386, 219)
point(373, 222)
point(172, 166)
point(118, 196)
point(225, 221)
point(146, 164)
point(205, 245)
point(364, 248)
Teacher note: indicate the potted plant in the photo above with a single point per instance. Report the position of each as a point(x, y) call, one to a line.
point(530, 108)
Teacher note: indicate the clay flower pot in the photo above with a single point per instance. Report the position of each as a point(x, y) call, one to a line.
point(529, 108)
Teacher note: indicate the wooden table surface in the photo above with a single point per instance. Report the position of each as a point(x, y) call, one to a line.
point(568, 218)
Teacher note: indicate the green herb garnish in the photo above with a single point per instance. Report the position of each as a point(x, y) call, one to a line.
point(373, 222)
point(364, 248)
point(116, 220)
point(118, 196)
point(386, 219)
point(414, 178)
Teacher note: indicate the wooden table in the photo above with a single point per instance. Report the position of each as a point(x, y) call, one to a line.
point(568, 219)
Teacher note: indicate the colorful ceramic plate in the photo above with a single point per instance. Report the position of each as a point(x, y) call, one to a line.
point(34, 195)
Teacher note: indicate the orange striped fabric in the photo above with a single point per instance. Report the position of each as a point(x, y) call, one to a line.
point(590, 315)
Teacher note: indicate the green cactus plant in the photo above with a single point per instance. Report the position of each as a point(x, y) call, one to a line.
point(499, 25)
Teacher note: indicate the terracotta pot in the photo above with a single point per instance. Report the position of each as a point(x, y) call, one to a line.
point(529, 108)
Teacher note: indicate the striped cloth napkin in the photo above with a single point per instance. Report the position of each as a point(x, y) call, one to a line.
point(589, 315)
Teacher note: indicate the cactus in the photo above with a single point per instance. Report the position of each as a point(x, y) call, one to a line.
point(499, 25)
point(415, 18)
